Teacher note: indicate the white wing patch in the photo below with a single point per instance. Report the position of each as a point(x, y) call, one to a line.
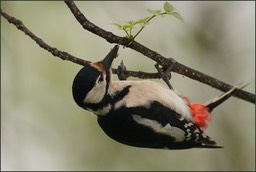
point(174, 132)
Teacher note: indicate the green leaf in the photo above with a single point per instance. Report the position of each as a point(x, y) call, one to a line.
point(129, 26)
point(118, 25)
point(168, 8)
point(126, 26)
point(142, 20)
point(178, 16)
point(155, 12)
point(131, 23)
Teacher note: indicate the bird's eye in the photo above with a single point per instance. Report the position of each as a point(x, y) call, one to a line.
point(101, 78)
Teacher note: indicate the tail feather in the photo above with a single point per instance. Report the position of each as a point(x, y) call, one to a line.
point(201, 113)
point(213, 103)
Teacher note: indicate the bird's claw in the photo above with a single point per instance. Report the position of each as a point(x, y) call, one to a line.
point(165, 72)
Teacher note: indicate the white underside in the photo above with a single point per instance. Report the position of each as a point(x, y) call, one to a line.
point(142, 93)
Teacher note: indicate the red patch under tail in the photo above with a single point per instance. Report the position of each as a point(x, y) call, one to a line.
point(200, 114)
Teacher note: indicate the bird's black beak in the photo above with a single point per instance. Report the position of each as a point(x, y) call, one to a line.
point(107, 61)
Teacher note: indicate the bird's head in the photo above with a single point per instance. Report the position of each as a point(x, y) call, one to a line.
point(91, 83)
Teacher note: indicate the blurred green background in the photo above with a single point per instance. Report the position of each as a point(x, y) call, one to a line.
point(43, 129)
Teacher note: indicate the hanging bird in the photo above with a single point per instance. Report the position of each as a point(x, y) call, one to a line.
point(143, 113)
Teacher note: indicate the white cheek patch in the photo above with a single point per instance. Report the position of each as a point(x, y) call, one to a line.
point(174, 132)
point(96, 94)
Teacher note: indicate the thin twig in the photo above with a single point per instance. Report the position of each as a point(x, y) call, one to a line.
point(66, 56)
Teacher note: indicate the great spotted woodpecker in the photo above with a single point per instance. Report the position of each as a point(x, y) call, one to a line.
point(142, 113)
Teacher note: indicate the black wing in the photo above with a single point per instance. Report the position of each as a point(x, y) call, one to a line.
point(153, 127)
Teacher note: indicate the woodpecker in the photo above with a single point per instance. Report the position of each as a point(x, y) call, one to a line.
point(143, 113)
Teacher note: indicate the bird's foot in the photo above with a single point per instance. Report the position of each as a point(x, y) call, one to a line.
point(165, 72)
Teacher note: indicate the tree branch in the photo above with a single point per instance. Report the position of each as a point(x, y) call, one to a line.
point(110, 37)
point(165, 62)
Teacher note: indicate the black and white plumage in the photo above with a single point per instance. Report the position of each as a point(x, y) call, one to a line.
point(137, 113)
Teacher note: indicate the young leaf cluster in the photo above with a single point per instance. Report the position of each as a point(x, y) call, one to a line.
point(130, 26)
